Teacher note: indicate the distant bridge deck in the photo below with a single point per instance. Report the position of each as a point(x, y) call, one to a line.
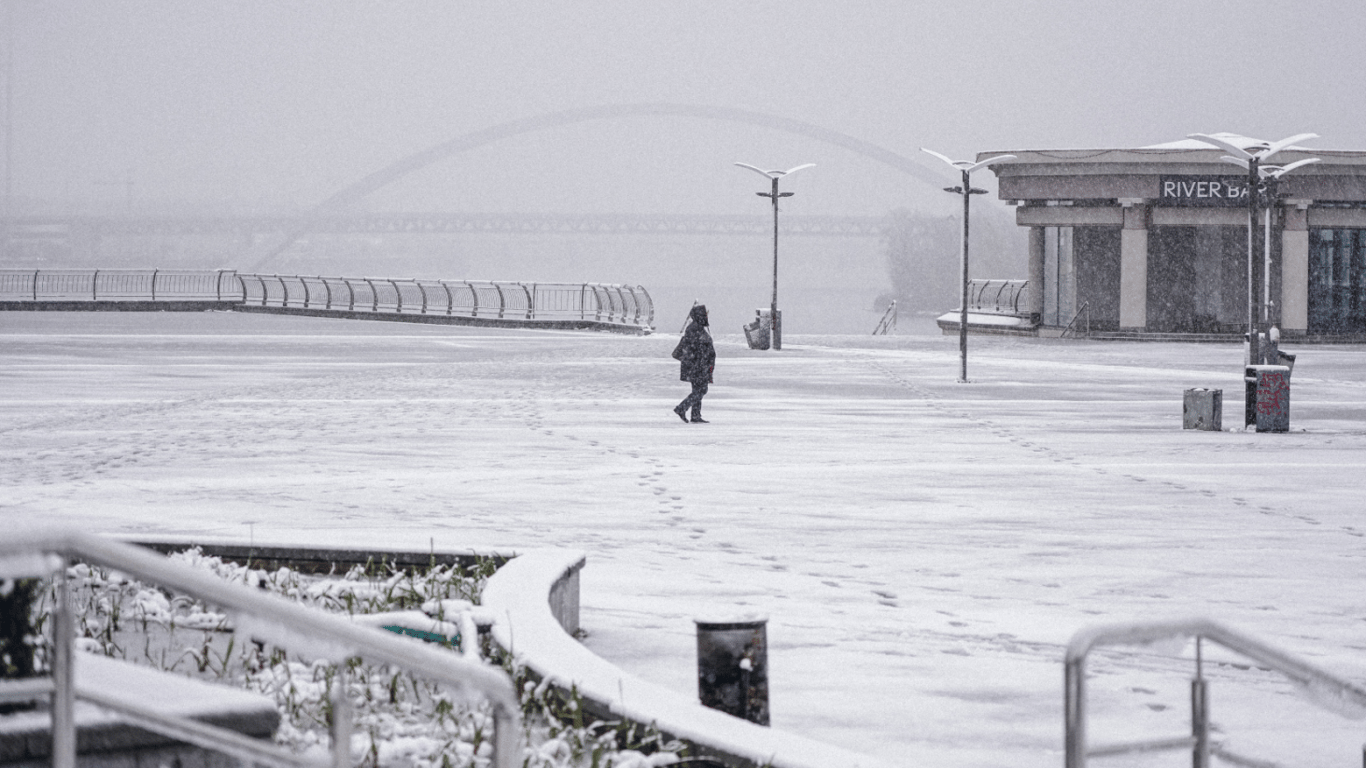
point(63, 227)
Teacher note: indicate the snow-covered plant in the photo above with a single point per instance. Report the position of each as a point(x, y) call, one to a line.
point(556, 719)
point(400, 719)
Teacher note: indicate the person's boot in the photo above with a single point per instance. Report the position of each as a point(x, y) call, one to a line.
point(697, 417)
point(681, 411)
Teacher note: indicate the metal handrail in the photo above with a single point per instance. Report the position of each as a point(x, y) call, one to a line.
point(1085, 307)
point(263, 616)
point(1004, 300)
point(1328, 690)
point(888, 321)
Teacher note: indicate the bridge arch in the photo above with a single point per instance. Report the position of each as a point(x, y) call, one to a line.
point(418, 160)
point(421, 159)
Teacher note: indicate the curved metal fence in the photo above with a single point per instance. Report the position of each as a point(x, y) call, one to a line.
point(499, 300)
point(598, 302)
point(998, 297)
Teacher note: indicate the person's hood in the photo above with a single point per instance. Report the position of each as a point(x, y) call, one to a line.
point(699, 315)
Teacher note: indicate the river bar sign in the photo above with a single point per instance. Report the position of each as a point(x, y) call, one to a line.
point(1202, 190)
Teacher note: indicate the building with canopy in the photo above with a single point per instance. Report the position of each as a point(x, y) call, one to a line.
point(1154, 240)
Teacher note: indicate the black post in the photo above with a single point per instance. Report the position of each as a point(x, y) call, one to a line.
point(1254, 262)
point(963, 317)
point(1270, 257)
point(1199, 713)
point(774, 335)
point(775, 330)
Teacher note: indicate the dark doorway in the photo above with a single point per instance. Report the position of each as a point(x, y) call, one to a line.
point(1096, 250)
point(1171, 280)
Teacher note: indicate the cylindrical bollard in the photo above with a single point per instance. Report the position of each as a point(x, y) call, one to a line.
point(732, 666)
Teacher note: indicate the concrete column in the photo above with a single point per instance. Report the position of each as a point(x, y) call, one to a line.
point(1295, 267)
point(1036, 276)
point(1133, 266)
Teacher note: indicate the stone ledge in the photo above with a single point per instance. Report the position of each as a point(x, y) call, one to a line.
point(312, 558)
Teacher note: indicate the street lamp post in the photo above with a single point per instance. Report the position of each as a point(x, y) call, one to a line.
point(966, 189)
point(1258, 177)
point(774, 328)
point(1271, 177)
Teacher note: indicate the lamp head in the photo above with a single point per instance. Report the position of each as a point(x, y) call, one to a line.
point(967, 166)
point(775, 174)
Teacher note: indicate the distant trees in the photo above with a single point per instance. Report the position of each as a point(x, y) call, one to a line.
point(923, 251)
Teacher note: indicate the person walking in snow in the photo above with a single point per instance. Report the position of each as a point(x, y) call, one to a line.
point(697, 358)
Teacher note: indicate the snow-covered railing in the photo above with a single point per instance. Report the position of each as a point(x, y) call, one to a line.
point(1324, 688)
point(118, 285)
point(264, 617)
point(597, 302)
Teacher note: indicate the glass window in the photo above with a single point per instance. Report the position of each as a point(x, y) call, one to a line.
point(1337, 281)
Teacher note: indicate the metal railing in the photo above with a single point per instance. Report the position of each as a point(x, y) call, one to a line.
point(998, 297)
point(888, 322)
point(598, 302)
point(118, 285)
point(264, 617)
point(1326, 689)
point(1085, 309)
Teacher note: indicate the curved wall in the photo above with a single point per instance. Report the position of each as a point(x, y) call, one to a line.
point(534, 601)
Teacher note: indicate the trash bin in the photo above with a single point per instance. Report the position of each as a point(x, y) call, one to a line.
point(1203, 409)
point(732, 666)
point(1267, 397)
point(756, 333)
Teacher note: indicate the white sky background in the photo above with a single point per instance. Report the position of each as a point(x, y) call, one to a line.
point(284, 103)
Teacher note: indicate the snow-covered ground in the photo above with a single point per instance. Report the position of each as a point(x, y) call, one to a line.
point(924, 549)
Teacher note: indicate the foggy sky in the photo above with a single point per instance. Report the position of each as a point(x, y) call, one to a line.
point(281, 104)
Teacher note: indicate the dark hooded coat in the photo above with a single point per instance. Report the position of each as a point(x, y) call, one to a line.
point(695, 353)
